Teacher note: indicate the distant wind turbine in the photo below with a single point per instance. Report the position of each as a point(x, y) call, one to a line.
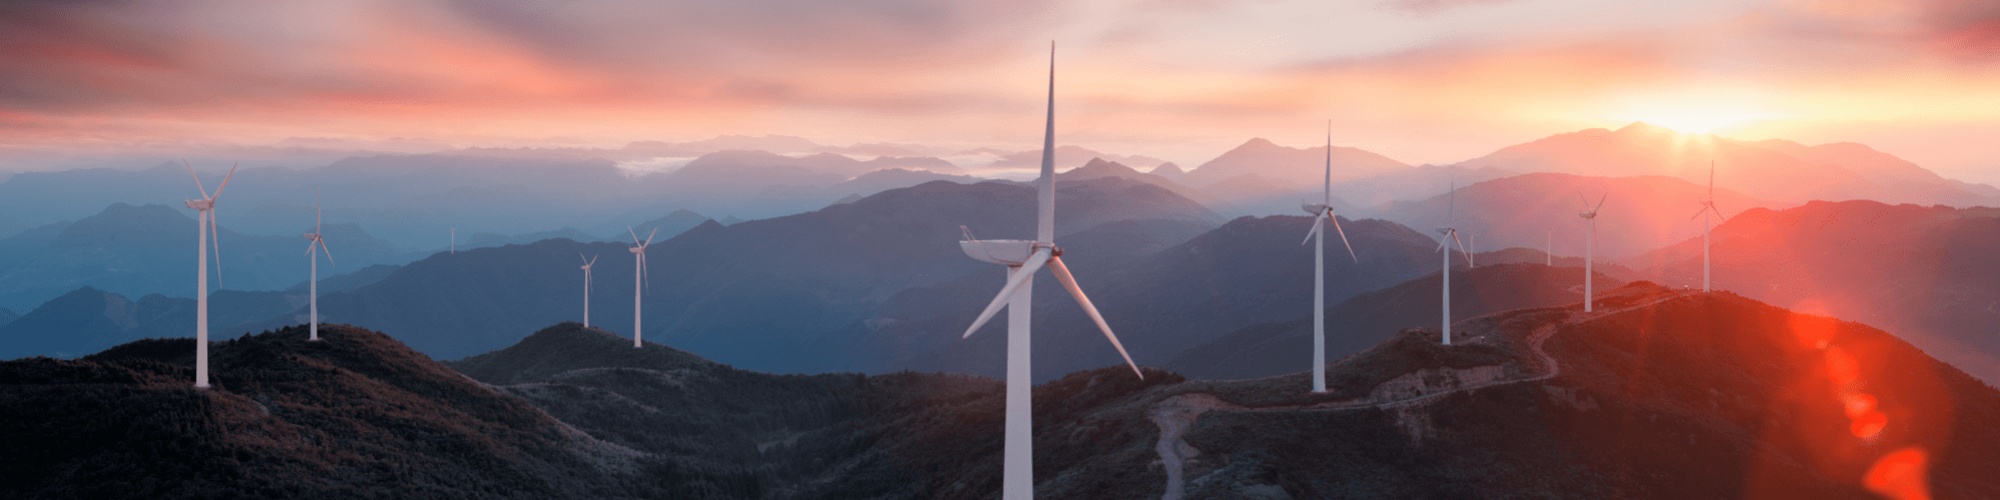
point(1549, 247)
point(1707, 208)
point(315, 243)
point(204, 223)
point(454, 240)
point(586, 286)
point(1589, 243)
point(639, 276)
point(1023, 258)
point(1447, 236)
point(1322, 212)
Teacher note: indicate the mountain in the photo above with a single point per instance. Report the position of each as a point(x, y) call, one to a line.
point(751, 294)
point(673, 224)
point(7, 316)
point(1414, 184)
point(1921, 272)
point(1774, 170)
point(1370, 318)
point(1168, 171)
point(1064, 157)
point(483, 239)
point(143, 250)
point(891, 178)
point(355, 414)
point(1098, 168)
point(348, 281)
point(1161, 303)
point(1255, 194)
point(1639, 214)
point(88, 320)
point(1659, 394)
point(1289, 166)
point(824, 163)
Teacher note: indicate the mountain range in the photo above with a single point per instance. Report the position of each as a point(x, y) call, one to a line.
point(1658, 394)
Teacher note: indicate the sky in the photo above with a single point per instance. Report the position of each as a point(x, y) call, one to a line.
point(1421, 81)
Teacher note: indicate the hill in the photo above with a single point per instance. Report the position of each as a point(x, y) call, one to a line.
point(1288, 165)
point(88, 320)
point(356, 414)
point(1639, 214)
point(1658, 394)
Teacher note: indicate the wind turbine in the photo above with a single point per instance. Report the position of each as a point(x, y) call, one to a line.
point(1707, 207)
point(204, 223)
point(638, 276)
point(1322, 212)
point(586, 286)
point(1446, 236)
point(1589, 243)
point(315, 243)
point(1549, 247)
point(1023, 258)
point(454, 240)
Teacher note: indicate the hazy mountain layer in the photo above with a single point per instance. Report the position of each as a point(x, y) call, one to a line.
point(137, 251)
point(756, 294)
point(1638, 214)
point(1926, 273)
point(1362, 321)
point(88, 320)
point(1775, 170)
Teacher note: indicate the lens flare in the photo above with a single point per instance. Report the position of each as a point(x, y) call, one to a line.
point(1900, 475)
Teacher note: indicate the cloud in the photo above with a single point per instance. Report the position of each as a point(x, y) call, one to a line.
point(1425, 7)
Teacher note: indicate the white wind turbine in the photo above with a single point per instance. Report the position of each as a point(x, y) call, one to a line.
point(204, 223)
point(1322, 212)
point(586, 286)
point(1446, 236)
point(639, 276)
point(454, 240)
point(1707, 208)
point(314, 243)
point(1589, 243)
point(1549, 247)
point(1023, 258)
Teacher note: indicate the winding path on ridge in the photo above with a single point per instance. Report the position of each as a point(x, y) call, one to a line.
point(1177, 414)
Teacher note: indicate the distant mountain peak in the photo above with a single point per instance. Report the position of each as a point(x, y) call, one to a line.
point(1646, 129)
point(1168, 169)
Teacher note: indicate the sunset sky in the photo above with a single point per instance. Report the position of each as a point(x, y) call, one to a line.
point(1422, 81)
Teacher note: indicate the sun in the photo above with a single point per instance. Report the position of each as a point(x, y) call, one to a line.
point(1698, 121)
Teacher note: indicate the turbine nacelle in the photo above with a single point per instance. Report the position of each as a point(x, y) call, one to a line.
point(1315, 208)
point(200, 204)
point(1012, 253)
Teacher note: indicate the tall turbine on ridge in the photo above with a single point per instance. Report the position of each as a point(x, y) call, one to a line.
point(1707, 208)
point(204, 223)
point(586, 286)
point(1322, 212)
point(639, 276)
point(1446, 236)
point(1589, 243)
point(1023, 258)
point(315, 243)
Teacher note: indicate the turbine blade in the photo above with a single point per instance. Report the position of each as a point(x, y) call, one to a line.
point(1443, 243)
point(1586, 201)
point(1013, 282)
point(579, 256)
point(329, 252)
point(1328, 192)
point(1461, 248)
point(317, 212)
point(1062, 274)
point(197, 179)
point(1600, 203)
point(1697, 213)
point(225, 183)
point(649, 236)
point(1343, 241)
point(643, 275)
point(1315, 228)
point(309, 247)
point(635, 236)
point(215, 235)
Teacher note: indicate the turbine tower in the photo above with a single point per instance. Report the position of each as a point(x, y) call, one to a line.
point(1589, 243)
point(1446, 236)
point(639, 276)
point(1707, 208)
point(315, 243)
point(204, 223)
point(454, 240)
point(1322, 212)
point(1549, 247)
point(586, 286)
point(1023, 258)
